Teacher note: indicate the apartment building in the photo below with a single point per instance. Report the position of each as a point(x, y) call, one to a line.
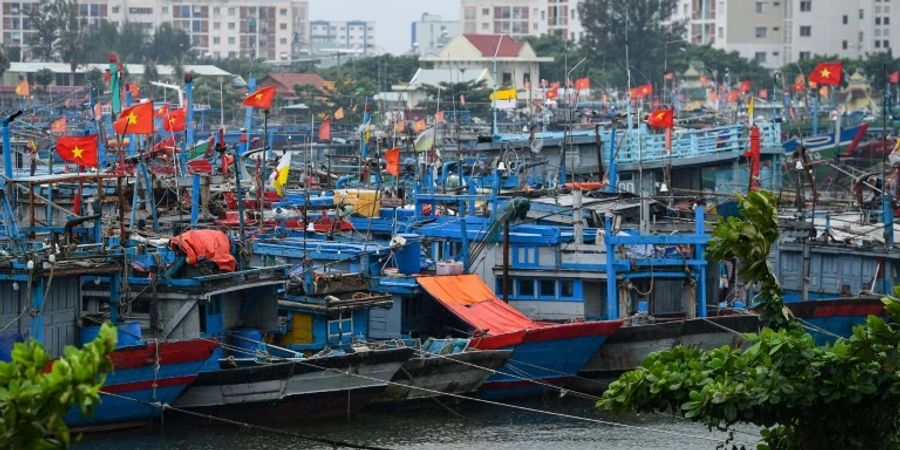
point(352, 36)
point(431, 33)
point(517, 18)
point(275, 30)
point(779, 32)
point(563, 19)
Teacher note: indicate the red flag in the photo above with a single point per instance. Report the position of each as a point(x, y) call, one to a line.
point(668, 76)
point(733, 96)
point(175, 120)
point(827, 74)
point(59, 125)
point(439, 117)
point(552, 93)
point(798, 86)
point(420, 126)
point(661, 118)
point(137, 119)
point(261, 98)
point(462, 100)
point(894, 77)
point(764, 94)
point(135, 90)
point(746, 86)
point(642, 91)
point(582, 84)
point(392, 158)
point(325, 129)
point(162, 110)
point(81, 150)
point(704, 80)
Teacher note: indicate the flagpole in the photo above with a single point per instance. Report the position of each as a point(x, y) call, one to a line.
point(262, 176)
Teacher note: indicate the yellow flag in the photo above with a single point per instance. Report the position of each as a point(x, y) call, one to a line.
point(504, 94)
point(280, 176)
point(339, 114)
point(750, 110)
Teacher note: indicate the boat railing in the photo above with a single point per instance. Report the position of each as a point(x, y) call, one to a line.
point(694, 143)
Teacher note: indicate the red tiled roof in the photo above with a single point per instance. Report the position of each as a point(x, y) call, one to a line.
point(487, 45)
point(285, 81)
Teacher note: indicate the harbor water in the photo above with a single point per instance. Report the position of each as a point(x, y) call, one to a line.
point(445, 426)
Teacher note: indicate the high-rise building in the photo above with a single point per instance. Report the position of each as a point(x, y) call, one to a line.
point(699, 17)
point(275, 30)
point(332, 36)
point(776, 32)
point(563, 19)
point(431, 33)
point(517, 18)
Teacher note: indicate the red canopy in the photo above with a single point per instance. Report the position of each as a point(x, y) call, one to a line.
point(467, 297)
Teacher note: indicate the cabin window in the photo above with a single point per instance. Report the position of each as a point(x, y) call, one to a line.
point(525, 257)
point(548, 288)
point(525, 288)
point(341, 328)
point(566, 288)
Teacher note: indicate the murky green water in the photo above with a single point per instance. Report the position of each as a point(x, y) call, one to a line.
point(469, 426)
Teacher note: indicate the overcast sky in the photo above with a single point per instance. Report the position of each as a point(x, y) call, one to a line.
point(392, 17)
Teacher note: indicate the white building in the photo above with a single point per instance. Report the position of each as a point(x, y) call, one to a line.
point(776, 32)
point(431, 33)
point(352, 36)
point(517, 18)
point(563, 19)
point(275, 30)
point(699, 17)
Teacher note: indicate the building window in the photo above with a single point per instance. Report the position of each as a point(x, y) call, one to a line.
point(806, 31)
point(230, 25)
point(887, 20)
point(216, 40)
point(805, 5)
point(566, 288)
point(485, 26)
point(283, 41)
point(231, 40)
point(216, 10)
point(282, 11)
point(761, 7)
point(548, 288)
point(804, 55)
point(485, 11)
point(216, 25)
point(231, 11)
point(115, 9)
point(282, 26)
point(844, 45)
point(760, 57)
point(878, 21)
point(165, 10)
point(761, 32)
point(525, 288)
point(846, 19)
point(886, 44)
point(877, 44)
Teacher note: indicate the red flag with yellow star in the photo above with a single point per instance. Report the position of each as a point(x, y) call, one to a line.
point(175, 120)
point(827, 74)
point(661, 118)
point(81, 150)
point(137, 119)
point(261, 98)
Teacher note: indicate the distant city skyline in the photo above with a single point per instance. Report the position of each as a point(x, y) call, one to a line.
point(392, 17)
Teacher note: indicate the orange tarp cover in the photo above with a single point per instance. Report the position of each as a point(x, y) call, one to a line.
point(474, 302)
point(211, 245)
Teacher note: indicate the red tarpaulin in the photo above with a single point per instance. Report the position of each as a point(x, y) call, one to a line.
point(210, 245)
point(474, 302)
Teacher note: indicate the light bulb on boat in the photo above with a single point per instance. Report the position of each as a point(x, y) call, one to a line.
point(799, 165)
point(663, 188)
point(15, 285)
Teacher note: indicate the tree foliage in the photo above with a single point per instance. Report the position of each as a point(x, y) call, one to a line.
point(44, 77)
point(721, 65)
point(841, 396)
point(641, 25)
point(558, 48)
point(34, 401)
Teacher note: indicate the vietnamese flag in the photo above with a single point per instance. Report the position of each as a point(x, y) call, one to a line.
point(137, 119)
point(325, 129)
point(894, 77)
point(552, 93)
point(60, 125)
point(81, 150)
point(582, 84)
point(827, 73)
point(163, 110)
point(746, 86)
point(175, 120)
point(764, 94)
point(661, 118)
point(641, 92)
point(392, 158)
point(439, 117)
point(261, 98)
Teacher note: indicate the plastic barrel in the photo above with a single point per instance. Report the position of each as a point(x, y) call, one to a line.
point(7, 341)
point(129, 333)
point(643, 307)
point(409, 256)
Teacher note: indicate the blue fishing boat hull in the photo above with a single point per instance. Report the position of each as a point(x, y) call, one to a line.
point(552, 355)
point(137, 379)
point(827, 319)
